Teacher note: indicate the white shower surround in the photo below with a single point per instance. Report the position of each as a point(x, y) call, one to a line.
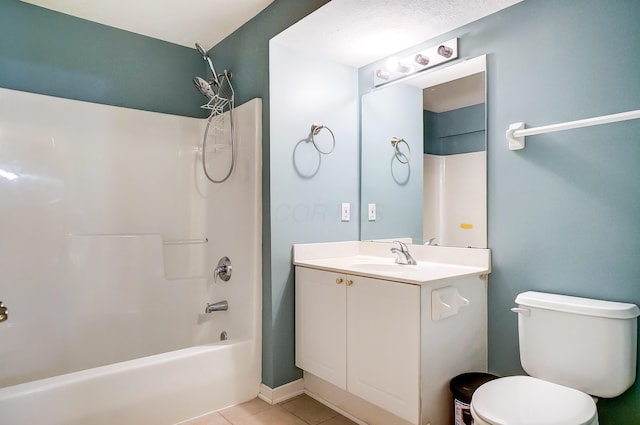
point(455, 192)
point(104, 216)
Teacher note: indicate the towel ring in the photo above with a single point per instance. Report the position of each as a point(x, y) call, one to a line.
point(315, 129)
point(395, 142)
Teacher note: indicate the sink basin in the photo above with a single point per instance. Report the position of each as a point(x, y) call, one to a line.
point(382, 267)
point(374, 260)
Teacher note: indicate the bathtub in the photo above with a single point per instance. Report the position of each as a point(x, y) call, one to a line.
point(107, 265)
point(163, 389)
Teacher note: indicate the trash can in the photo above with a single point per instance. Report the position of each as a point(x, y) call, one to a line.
point(462, 388)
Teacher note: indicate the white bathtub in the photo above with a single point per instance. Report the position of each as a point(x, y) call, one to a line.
point(157, 390)
point(107, 265)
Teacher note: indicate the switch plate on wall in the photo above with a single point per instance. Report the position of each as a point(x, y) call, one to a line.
point(372, 212)
point(346, 211)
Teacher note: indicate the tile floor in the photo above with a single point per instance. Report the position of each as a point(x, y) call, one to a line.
point(301, 410)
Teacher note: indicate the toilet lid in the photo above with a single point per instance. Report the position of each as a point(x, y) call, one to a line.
point(524, 400)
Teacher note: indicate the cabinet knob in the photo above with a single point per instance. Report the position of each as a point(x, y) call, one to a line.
point(339, 280)
point(349, 282)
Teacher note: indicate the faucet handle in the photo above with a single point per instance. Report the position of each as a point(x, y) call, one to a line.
point(223, 271)
point(4, 312)
point(403, 254)
point(403, 246)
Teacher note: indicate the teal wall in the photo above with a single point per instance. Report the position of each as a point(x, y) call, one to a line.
point(307, 188)
point(457, 131)
point(395, 188)
point(564, 212)
point(51, 53)
point(246, 53)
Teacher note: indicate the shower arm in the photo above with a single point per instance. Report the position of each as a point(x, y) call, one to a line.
point(213, 79)
point(205, 56)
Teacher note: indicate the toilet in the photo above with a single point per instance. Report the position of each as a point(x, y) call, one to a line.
point(572, 348)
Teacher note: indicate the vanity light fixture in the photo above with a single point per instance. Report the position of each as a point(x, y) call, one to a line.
point(396, 68)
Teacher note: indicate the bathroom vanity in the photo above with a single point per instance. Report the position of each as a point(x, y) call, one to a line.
point(381, 340)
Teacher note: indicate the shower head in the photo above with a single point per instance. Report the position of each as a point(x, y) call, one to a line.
point(204, 87)
point(201, 50)
point(207, 59)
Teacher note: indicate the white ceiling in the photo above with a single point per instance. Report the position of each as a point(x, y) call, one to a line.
point(184, 22)
point(352, 32)
point(456, 94)
point(359, 32)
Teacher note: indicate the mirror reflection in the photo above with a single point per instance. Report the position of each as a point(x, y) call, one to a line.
point(438, 196)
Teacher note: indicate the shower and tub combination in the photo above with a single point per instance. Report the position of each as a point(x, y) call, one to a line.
point(119, 306)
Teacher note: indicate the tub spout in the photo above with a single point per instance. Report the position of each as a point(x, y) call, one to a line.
point(219, 306)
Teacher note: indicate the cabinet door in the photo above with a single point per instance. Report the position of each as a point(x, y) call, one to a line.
point(321, 324)
point(383, 349)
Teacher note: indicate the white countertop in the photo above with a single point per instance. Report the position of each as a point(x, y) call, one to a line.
point(374, 259)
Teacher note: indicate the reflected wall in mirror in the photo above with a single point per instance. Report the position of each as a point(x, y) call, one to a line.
point(439, 196)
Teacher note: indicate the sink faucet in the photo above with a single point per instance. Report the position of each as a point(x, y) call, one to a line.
point(403, 255)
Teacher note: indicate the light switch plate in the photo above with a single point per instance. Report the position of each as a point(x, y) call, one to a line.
point(346, 211)
point(372, 212)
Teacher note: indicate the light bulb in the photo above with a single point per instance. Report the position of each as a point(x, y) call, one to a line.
point(383, 75)
point(404, 69)
point(392, 64)
point(421, 59)
point(445, 51)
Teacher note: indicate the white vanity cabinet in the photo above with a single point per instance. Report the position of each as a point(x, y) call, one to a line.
point(381, 341)
point(362, 335)
point(321, 331)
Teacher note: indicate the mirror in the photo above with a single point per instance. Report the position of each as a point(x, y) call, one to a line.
point(430, 185)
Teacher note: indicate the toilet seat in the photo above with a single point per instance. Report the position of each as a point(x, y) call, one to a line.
point(524, 400)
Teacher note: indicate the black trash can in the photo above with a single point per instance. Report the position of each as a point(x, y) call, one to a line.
point(462, 387)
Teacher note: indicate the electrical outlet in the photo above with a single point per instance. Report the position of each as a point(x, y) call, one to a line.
point(372, 212)
point(346, 211)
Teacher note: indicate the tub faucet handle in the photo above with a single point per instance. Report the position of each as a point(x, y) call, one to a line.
point(223, 271)
point(4, 313)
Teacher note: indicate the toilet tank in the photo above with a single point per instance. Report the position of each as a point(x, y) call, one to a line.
point(586, 344)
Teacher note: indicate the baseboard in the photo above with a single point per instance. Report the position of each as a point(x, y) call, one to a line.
point(282, 393)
